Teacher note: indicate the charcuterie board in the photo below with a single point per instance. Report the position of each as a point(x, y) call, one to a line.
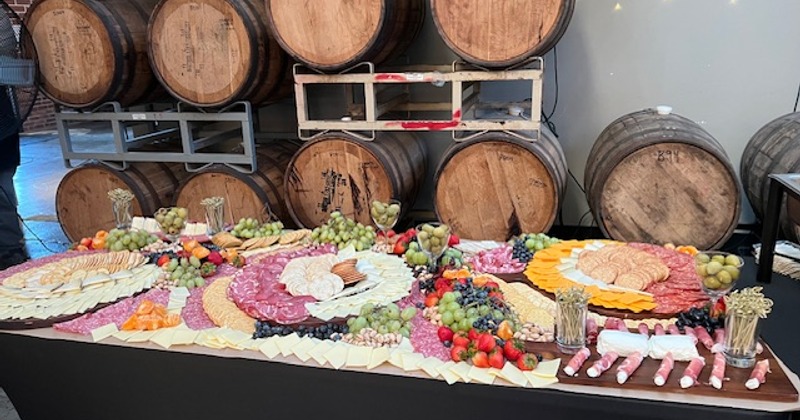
point(777, 388)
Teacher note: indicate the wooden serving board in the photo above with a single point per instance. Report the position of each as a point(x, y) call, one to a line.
point(777, 388)
point(618, 313)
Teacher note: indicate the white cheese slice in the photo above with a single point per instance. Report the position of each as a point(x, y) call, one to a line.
point(462, 370)
point(125, 335)
point(104, 332)
point(164, 337)
point(431, 366)
point(480, 375)
point(142, 337)
point(358, 356)
point(446, 371)
point(411, 361)
point(539, 382)
point(337, 356)
point(547, 368)
point(286, 343)
point(302, 348)
point(184, 337)
point(379, 356)
point(396, 357)
point(319, 351)
point(512, 374)
point(269, 348)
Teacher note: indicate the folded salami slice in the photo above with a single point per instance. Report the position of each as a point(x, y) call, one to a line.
point(662, 374)
point(759, 375)
point(692, 371)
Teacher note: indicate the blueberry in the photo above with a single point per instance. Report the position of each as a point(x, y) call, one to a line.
point(447, 343)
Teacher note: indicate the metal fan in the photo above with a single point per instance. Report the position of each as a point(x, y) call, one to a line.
point(18, 75)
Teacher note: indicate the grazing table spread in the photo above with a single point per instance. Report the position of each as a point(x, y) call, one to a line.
point(264, 321)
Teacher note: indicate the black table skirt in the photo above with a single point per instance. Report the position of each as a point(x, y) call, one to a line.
point(55, 379)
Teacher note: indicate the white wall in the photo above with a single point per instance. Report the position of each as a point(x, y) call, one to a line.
point(730, 65)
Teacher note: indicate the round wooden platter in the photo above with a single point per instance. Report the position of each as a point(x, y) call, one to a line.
point(617, 313)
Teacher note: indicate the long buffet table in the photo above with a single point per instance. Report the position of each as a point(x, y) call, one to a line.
point(49, 374)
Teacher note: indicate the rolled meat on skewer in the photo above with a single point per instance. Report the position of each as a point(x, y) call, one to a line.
point(692, 371)
point(574, 365)
point(662, 374)
point(703, 337)
point(673, 329)
point(628, 366)
point(658, 329)
point(718, 371)
point(759, 375)
point(719, 340)
point(591, 331)
point(613, 323)
point(602, 365)
point(644, 329)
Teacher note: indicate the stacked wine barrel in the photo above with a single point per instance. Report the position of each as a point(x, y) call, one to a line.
point(774, 149)
point(662, 178)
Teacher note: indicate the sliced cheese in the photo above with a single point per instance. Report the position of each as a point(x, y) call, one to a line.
point(269, 348)
point(319, 351)
point(337, 356)
point(462, 370)
point(125, 335)
point(446, 371)
point(302, 348)
point(379, 356)
point(431, 366)
point(411, 361)
point(512, 374)
point(184, 337)
point(537, 381)
point(286, 343)
point(481, 375)
point(547, 368)
point(358, 356)
point(104, 332)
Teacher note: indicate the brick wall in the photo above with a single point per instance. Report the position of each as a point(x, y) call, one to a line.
point(42, 116)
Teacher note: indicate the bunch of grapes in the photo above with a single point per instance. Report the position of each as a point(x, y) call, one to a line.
point(536, 241)
point(131, 240)
point(384, 319)
point(185, 272)
point(343, 232)
point(520, 252)
point(414, 255)
point(249, 227)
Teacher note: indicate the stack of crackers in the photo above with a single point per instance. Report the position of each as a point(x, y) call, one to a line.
point(295, 237)
point(623, 266)
point(78, 269)
point(222, 311)
point(347, 271)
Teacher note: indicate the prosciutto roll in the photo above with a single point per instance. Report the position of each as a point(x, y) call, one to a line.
point(628, 366)
point(615, 324)
point(644, 329)
point(759, 375)
point(689, 331)
point(591, 331)
point(718, 371)
point(602, 365)
point(662, 374)
point(703, 337)
point(673, 329)
point(658, 329)
point(574, 365)
point(719, 340)
point(692, 371)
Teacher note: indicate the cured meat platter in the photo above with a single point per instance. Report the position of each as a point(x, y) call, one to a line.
point(777, 387)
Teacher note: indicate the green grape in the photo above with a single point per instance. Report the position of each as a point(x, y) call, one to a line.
point(448, 297)
point(484, 309)
point(367, 309)
point(404, 332)
point(408, 313)
point(472, 312)
point(452, 306)
point(459, 314)
point(447, 317)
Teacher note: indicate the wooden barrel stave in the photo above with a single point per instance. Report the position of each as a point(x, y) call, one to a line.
point(259, 194)
point(482, 192)
point(244, 63)
point(493, 34)
point(92, 51)
point(775, 148)
point(662, 178)
point(339, 172)
point(336, 34)
point(82, 203)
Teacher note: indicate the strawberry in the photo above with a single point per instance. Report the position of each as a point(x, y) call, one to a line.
point(445, 334)
point(486, 342)
point(480, 359)
point(513, 350)
point(443, 290)
point(454, 240)
point(458, 353)
point(431, 300)
point(164, 259)
point(473, 334)
point(215, 258)
point(459, 340)
point(390, 233)
point(441, 283)
point(496, 359)
point(527, 361)
point(400, 248)
point(491, 285)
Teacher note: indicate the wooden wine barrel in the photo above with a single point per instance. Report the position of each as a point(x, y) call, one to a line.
point(501, 34)
point(93, 51)
point(82, 203)
point(662, 178)
point(497, 186)
point(246, 195)
point(335, 34)
point(339, 172)
point(774, 149)
point(215, 52)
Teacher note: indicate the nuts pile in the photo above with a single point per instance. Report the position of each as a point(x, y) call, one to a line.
point(347, 271)
point(530, 332)
point(163, 281)
point(432, 315)
point(161, 246)
point(368, 337)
